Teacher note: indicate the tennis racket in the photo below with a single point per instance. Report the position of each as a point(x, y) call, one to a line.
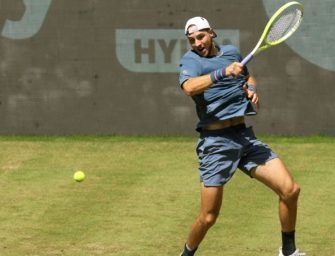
point(281, 26)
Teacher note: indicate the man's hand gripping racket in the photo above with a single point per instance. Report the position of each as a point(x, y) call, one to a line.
point(281, 26)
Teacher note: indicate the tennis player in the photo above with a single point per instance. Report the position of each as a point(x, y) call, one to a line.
point(224, 93)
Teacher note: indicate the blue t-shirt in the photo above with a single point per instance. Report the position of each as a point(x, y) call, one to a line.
point(224, 99)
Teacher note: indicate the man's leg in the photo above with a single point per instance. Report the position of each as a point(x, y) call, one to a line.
point(275, 175)
point(211, 200)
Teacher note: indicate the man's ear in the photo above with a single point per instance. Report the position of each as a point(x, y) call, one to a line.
point(212, 33)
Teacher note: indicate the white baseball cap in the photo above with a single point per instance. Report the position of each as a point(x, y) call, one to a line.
point(196, 24)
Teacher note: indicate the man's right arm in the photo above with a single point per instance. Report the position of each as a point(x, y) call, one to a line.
point(197, 85)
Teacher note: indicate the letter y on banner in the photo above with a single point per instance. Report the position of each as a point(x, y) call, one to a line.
point(31, 21)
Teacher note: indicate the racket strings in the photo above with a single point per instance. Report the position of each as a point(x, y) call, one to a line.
point(285, 24)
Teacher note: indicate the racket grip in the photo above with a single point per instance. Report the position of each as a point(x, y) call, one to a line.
point(247, 59)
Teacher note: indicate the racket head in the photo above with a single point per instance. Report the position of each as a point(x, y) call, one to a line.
point(283, 23)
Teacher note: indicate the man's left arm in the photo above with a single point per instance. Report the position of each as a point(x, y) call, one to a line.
point(250, 90)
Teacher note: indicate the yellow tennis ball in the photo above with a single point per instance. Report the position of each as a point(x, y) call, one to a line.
point(79, 176)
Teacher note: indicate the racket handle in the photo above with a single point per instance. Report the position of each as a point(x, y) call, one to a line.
point(247, 59)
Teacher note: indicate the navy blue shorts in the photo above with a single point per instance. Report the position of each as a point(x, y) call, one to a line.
point(221, 152)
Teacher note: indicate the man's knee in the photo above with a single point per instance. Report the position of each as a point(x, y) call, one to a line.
point(209, 219)
point(291, 194)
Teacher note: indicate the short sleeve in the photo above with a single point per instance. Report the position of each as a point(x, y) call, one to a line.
point(189, 68)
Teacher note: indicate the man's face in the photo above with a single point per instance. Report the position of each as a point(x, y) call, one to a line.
point(201, 42)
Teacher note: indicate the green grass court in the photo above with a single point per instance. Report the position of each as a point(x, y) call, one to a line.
point(141, 195)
